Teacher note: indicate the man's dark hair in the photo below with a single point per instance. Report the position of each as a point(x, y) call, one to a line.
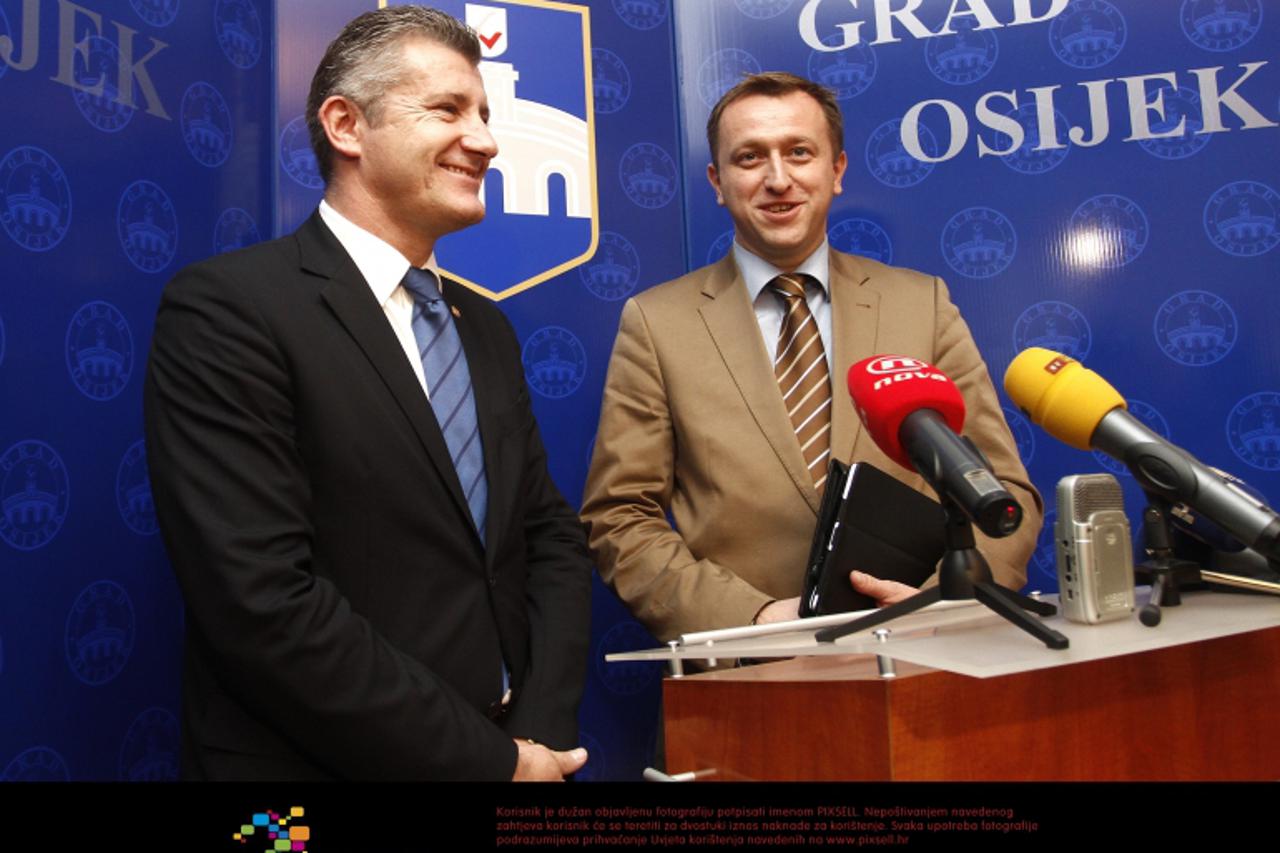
point(364, 61)
point(775, 84)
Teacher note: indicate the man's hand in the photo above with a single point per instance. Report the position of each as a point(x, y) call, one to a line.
point(884, 592)
point(536, 763)
point(779, 611)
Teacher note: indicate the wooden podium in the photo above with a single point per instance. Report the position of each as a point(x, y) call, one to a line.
point(1207, 710)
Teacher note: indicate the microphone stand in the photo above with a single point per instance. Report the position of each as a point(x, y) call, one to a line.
point(1165, 572)
point(964, 575)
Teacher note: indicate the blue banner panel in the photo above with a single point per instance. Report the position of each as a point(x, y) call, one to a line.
point(134, 144)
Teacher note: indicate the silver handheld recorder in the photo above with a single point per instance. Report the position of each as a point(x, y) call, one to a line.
point(1094, 549)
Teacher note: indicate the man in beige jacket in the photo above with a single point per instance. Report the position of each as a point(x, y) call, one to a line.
point(725, 400)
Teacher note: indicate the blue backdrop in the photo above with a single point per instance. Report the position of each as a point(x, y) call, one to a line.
point(1094, 176)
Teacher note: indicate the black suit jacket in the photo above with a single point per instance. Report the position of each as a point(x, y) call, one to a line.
point(343, 618)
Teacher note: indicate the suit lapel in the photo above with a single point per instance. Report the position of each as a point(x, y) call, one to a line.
point(855, 315)
point(734, 330)
point(348, 296)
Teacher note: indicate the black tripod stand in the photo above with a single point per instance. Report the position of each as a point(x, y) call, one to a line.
point(1165, 572)
point(964, 575)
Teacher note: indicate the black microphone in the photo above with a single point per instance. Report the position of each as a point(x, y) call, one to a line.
point(1079, 407)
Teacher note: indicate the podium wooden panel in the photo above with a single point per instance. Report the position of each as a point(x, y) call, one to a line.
point(1197, 711)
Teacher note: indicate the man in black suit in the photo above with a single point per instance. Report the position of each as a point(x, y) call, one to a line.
point(381, 580)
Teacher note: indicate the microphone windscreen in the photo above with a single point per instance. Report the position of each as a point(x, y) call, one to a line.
point(1060, 394)
point(888, 388)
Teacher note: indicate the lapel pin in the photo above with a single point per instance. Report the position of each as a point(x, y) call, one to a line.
point(454, 309)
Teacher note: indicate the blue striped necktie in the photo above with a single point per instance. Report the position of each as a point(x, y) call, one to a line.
point(444, 365)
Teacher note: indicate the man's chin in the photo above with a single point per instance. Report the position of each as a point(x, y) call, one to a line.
point(781, 253)
point(460, 219)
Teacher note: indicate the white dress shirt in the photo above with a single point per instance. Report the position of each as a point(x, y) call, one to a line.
point(383, 268)
point(756, 275)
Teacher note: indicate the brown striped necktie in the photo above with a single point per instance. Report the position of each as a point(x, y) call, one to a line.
point(800, 366)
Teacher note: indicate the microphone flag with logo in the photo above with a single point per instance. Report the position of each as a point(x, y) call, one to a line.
point(915, 413)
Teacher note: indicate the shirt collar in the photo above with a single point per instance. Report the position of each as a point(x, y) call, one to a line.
point(381, 264)
point(757, 272)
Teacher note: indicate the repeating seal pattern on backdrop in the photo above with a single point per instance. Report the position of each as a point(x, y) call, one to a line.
point(133, 492)
point(888, 160)
point(150, 749)
point(1088, 34)
point(648, 175)
point(964, 57)
point(1181, 107)
point(762, 10)
point(296, 157)
point(722, 70)
point(1055, 326)
point(626, 678)
point(37, 764)
point(979, 242)
point(96, 95)
point(1220, 25)
point(848, 72)
point(610, 81)
point(554, 362)
point(147, 226)
point(720, 247)
point(206, 124)
point(99, 350)
point(1024, 437)
point(235, 229)
point(641, 14)
point(859, 236)
point(1026, 159)
point(35, 199)
point(614, 272)
point(34, 495)
point(1195, 328)
point(1149, 417)
point(1253, 430)
point(157, 13)
point(100, 632)
point(1240, 218)
point(239, 31)
point(1115, 229)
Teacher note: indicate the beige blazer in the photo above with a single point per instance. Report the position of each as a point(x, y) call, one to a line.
point(693, 432)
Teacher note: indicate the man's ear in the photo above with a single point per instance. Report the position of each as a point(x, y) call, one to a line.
point(343, 123)
point(714, 177)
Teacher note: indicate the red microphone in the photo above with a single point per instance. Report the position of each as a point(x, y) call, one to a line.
point(915, 414)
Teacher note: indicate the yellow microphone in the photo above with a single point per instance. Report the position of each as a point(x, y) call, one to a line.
point(1080, 408)
point(1060, 394)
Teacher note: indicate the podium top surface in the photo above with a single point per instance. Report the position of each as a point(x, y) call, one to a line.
point(968, 639)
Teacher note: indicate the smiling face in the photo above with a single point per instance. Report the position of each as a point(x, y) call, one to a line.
point(417, 168)
point(776, 171)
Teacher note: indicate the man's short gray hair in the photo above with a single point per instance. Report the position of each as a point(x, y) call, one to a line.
point(363, 62)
